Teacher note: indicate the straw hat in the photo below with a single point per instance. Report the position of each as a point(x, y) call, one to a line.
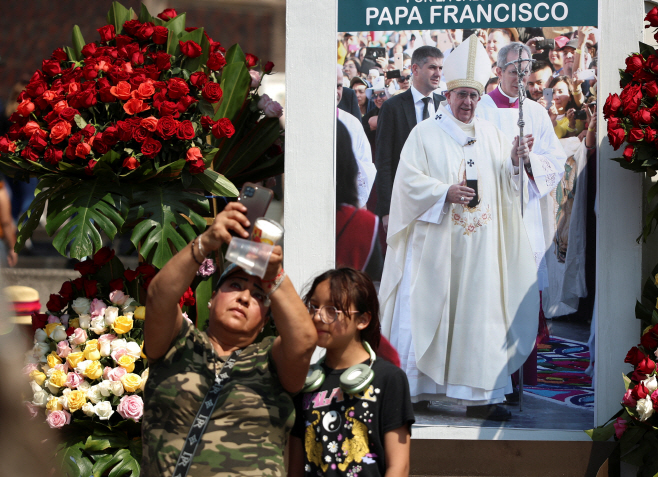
point(23, 301)
point(513, 32)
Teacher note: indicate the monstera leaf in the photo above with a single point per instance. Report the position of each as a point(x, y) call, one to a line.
point(165, 219)
point(78, 210)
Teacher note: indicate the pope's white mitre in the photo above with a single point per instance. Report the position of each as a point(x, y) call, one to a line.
point(467, 66)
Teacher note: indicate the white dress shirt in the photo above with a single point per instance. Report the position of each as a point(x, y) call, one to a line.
point(419, 105)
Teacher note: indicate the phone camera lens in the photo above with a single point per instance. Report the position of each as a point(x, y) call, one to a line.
point(249, 192)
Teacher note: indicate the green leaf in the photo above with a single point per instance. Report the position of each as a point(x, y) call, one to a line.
point(627, 381)
point(271, 168)
point(173, 169)
point(235, 86)
point(70, 53)
point(117, 16)
point(104, 463)
point(251, 147)
point(176, 28)
point(29, 221)
point(216, 183)
point(126, 465)
point(144, 15)
point(235, 55)
point(205, 108)
point(81, 210)
point(72, 461)
point(79, 121)
point(646, 50)
point(203, 294)
point(602, 433)
point(209, 156)
point(78, 42)
point(159, 212)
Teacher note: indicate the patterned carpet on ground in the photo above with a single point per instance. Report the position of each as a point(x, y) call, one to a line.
point(561, 365)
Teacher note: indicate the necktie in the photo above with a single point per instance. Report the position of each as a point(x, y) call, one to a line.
point(426, 111)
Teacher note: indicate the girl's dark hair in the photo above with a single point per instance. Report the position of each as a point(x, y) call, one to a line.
point(566, 80)
point(351, 287)
point(346, 168)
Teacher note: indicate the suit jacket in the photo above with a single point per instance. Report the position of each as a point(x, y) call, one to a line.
point(349, 103)
point(397, 117)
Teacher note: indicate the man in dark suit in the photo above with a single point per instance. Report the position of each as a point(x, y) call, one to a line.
point(399, 115)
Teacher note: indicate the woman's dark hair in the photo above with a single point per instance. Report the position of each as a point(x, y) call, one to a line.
point(346, 168)
point(351, 287)
point(356, 62)
point(566, 80)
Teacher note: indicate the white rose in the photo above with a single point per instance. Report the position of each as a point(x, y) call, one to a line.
point(63, 401)
point(98, 325)
point(52, 388)
point(651, 384)
point(133, 349)
point(40, 350)
point(81, 306)
point(111, 313)
point(117, 388)
point(41, 398)
point(40, 335)
point(145, 376)
point(105, 348)
point(58, 334)
point(103, 410)
point(48, 371)
point(118, 344)
point(645, 408)
point(127, 303)
point(104, 387)
point(94, 394)
point(84, 320)
point(82, 366)
point(84, 386)
point(128, 310)
point(88, 409)
point(35, 387)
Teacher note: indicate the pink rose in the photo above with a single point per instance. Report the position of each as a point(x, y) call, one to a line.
point(131, 407)
point(255, 78)
point(628, 399)
point(58, 419)
point(62, 367)
point(272, 109)
point(118, 297)
point(28, 368)
point(73, 380)
point(53, 319)
point(63, 349)
point(97, 307)
point(620, 427)
point(118, 353)
point(107, 337)
point(65, 320)
point(113, 374)
point(33, 409)
point(78, 337)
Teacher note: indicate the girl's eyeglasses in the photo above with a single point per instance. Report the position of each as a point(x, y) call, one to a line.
point(328, 314)
point(381, 95)
point(404, 79)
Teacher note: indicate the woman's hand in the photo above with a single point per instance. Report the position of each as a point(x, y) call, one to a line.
point(231, 219)
point(275, 264)
point(460, 194)
point(552, 113)
point(571, 116)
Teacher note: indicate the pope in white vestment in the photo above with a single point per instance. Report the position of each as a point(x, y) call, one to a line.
point(459, 287)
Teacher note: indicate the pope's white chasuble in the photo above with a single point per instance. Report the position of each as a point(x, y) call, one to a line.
point(458, 293)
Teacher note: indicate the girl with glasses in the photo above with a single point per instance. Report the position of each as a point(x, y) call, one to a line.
point(344, 428)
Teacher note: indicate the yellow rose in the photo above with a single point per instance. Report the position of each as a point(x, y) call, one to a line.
point(54, 405)
point(58, 378)
point(94, 370)
point(74, 323)
point(127, 362)
point(91, 350)
point(53, 359)
point(131, 382)
point(74, 359)
point(141, 347)
point(75, 400)
point(50, 327)
point(140, 312)
point(38, 377)
point(123, 324)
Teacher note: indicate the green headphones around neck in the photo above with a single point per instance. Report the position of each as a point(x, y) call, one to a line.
point(354, 379)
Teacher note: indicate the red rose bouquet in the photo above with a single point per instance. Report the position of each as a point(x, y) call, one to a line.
point(119, 130)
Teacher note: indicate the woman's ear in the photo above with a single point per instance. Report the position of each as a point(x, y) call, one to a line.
point(363, 321)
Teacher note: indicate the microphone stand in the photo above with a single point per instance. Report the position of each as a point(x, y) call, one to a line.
point(521, 64)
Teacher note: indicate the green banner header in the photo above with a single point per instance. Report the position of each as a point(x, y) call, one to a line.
point(384, 15)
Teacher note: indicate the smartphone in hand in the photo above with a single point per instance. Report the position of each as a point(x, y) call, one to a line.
point(256, 199)
point(548, 97)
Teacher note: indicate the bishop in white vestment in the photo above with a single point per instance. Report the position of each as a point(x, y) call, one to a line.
point(459, 287)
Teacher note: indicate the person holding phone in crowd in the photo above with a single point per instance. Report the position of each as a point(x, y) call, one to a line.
point(355, 415)
point(251, 411)
point(564, 113)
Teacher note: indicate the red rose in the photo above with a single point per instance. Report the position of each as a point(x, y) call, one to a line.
point(91, 288)
point(198, 79)
point(82, 150)
point(66, 291)
point(190, 48)
point(51, 67)
point(125, 130)
point(86, 267)
point(30, 154)
point(643, 76)
point(144, 91)
point(162, 60)
point(646, 366)
point(6, 145)
point(78, 283)
point(116, 284)
point(146, 270)
point(223, 128)
point(197, 167)
point(89, 168)
point(652, 18)
point(130, 163)
point(39, 320)
point(635, 135)
point(167, 127)
point(160, 35)
point(60, 55)
point(169, 108)
point(144, 31)
point(649, 340)
point(207, 122)
point(269, 66)
point(36, 88)
point(122, 90)
point(111, 136)
point(628, 153)
point(87, 98)
point(641, 117)
point(177, 88)
point(151, 147)
point(640, 391)
point(37, 142)
point(30, 128)
point(140, 134)
point(107, 33)
point(216, 61)
point(150, 123)
point(25, 108)
point(212, 92)
point(68, 114)
point(89, 50)
point(185, 130)
point(98, 144)
point(135, 106)
point(103, 256)
point(630, 98)
point(652, 63)
point(105, 95)
point(184, 103)
point(634, 62)
point(187, 298)
point(193, 154)
point(649, 134)
point(651, 89)
point(634, 356)
point(167, 14)
point(131, 26)
point(251, 60)
point(56, 303)
point(130, 275)
point(53, 156)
